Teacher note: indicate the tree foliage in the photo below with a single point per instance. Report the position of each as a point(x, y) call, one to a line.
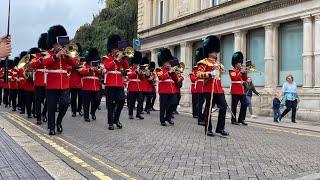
point(119, 17)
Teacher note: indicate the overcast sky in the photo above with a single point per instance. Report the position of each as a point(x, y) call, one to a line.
point(30, 18)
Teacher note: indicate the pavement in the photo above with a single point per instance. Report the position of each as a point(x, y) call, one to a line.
point(145, 150)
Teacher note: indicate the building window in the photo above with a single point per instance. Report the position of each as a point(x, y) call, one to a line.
point(196, 45)
point(214, 3)
point(227, 49)
point(255, 53)
point(177, 52)
point(290, 53)
point(161, 12)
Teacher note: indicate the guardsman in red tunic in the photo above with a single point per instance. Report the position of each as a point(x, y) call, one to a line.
point(199, 83)
point(75, 89)
point(210, 70)
point(13, 84)
point(166, 86)
point(135, 91)
point(115, 65)
point(2, 84)
point(238, 76)
point(6, 91)
point(147, 82)
point(193, 91)
point(40, 79)
point(21, 93)
point(57, 63)
point(91, 84)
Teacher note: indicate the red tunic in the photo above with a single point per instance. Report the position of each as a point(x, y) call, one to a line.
point(180, 78)
point(237, 79)
point(91, 79)
point(214, 85)
point(193, 79)
point(134, 80)
point(2, 84)
point(113, 77)
point(166, 83)
point(39, 75)
point(75, 79)
point(148, 85)
point(57, 71)
point(13, 79)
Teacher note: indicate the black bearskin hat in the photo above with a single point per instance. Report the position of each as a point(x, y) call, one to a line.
point(11, 63)
point(112, 42)
point(34, 51)
point(92, 55)
point(42, 42)
point(211, 44)
point(22, 54)
point(199, 55)
point(237, 57)
point(53, 33)
point(16, 61)
point(136, 59)
point(164, 55)
point(144, 61)
point(152, 66)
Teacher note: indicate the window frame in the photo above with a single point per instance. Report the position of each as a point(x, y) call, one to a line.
point(212, 3)
point(160, 12)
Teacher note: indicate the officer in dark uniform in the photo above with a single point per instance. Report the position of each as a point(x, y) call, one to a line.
point(57, 63)
point(115, 65)
point(210, 70)
point(238, 76)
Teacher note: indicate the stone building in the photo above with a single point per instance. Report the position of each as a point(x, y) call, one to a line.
point(281, 37)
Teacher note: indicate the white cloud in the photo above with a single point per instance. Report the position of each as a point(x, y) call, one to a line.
point(30, 18)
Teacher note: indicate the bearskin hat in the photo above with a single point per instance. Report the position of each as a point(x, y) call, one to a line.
point(34, 51)
point(53, 33)
point(92, 55)
point(16, 61)
point(152, 66)
point(136, 59)
point(11, 63)
point(199, 55)
point(164, 55)
point(144, 61)
point(237, 57)
point(22, 54)
point(211, 44)
point(42, 42)
point(112, 42)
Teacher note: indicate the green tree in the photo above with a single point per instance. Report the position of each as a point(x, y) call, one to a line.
point(119, 17)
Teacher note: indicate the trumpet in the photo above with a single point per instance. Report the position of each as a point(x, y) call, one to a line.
point(128, 52)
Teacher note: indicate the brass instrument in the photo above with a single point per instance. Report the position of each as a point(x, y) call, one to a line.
point(128, 52)
point(72, 50)
point(24, 63)
point(179, 69)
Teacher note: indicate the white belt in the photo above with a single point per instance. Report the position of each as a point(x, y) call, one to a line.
point(41, 70)
point(113, 72)
point(56, 71)
point(91, 77)
point(134, 80)
point(200, 80)
point(193, 83)
point(167, 80)
point(237, 82)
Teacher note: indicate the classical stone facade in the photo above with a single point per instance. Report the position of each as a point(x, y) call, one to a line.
point(282, 27)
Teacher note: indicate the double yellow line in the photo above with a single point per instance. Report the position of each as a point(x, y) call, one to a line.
point(48, 140)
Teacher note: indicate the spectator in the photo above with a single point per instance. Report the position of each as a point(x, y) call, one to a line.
point(5, 46)
point(276, 107)
point(249, 88)
point(289, 90)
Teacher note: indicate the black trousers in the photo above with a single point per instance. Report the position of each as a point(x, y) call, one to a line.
point(0, 96)
point(132, 98)
point(153, 99)
point(201, 100)
point(220, 101)
point(195, 97)
point(13, 97)
point(53, 95)
point(90, 98)
point(6, 96)
point(22, 100)
point(116, 100)
point(29, 102)
point(178, 98)
point(76, 100)
point(148, 97)
point(243, 107)
point(40, 98)
point(167, 102)
point(290, 106)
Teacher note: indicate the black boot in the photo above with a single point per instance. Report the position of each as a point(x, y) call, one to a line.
point(139, 117)
point(131, 117)
point(59, 128)
point(39, 122)
point(111, 127)
point(87, 120)
point(44, 118)
point(119, 125)
point(80, 113)
point(74, 114)
point(93, 116)
point(52, 132)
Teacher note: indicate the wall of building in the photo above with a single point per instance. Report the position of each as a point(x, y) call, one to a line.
point(281, 37)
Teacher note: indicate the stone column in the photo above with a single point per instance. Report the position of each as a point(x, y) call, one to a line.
point(154, 56)
point(166, 10)
point(237, 41)
point(243, 46)
point(317, 51)
point(275, 55)
point(186, 57)
point(171, 10)
point(307, 51)
point(268, 56)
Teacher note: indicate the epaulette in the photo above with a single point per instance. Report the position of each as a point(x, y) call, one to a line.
point(203, 61)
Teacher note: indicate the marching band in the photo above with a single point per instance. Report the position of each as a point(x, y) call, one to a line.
point(49, 78)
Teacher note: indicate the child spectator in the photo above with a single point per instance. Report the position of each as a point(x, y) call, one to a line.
point(276, 107)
